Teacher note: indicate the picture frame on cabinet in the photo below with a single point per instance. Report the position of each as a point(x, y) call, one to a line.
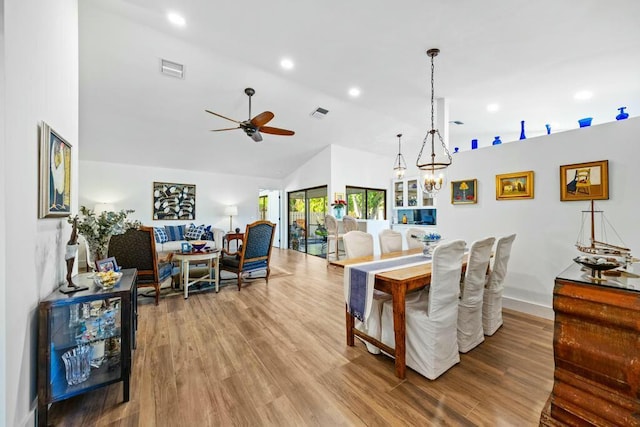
point(514, 186)
point(464, 192)
point(54, 187)
point(584, 181)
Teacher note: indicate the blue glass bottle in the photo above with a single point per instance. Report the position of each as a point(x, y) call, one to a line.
point(456, 150)
point(496, 141)
point(548, 126)
point(474, 144)
point(522, 135)
point(622, 114)
point(585, 122)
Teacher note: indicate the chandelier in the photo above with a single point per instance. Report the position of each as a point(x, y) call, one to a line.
point(400, 165)
point(429, 182)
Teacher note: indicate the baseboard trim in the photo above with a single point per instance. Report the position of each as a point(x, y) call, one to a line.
point(528, 307)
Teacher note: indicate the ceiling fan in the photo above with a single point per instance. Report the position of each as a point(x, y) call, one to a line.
point(254, 126)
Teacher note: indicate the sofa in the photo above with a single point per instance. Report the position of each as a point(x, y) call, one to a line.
point(169, 238)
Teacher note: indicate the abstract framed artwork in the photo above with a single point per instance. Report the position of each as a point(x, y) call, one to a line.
point(174, 201)
point(584, 181)
point(464, 192)
point(54, 174)
point(513, 186)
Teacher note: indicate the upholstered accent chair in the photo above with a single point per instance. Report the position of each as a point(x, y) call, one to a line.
point(492, 301)
point(137, 249)
point(254, 253)
point(390, 241)
point(349, 223)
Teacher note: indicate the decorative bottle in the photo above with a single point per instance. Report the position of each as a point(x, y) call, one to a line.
point(522, 135)
point(622, 114)
point(404, 219)
point(548, 126)
point(496, 141)
point(474, 144)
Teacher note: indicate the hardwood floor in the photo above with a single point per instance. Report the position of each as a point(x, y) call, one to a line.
point(276, 355)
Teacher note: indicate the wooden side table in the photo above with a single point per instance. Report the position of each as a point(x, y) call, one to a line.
point(233, 236)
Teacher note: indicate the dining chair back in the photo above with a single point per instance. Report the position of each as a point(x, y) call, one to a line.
point(349, 223)
point(431, 315)
point(470, 332)
point(333, 237)
point(390, 241)
point(255, 253)
point(492, 300)
point(136, 248)
point(414, 237)
point(357, 244)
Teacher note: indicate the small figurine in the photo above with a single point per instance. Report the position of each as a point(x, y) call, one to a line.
point(72, 250)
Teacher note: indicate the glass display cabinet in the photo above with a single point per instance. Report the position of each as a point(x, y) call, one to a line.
point(85, 340)
point(398, 194)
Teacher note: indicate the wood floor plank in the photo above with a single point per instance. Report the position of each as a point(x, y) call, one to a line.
point(275, 355)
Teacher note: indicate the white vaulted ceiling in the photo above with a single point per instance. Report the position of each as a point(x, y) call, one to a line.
point(529, 57)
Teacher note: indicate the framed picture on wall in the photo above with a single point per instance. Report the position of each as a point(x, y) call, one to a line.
point(174, 201)
point(517, 185)
point(584, 181)
point(464, 192)
point(54, 187)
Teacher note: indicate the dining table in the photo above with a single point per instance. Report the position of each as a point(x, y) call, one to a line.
point(397, 283)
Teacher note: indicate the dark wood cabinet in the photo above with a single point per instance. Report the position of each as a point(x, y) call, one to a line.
point(85, 340)
point(596, 350)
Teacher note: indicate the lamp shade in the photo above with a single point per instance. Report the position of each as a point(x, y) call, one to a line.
point(231, 210)
point(103, 207)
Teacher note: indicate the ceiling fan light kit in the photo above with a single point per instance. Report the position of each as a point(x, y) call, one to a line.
point(253, 127)
point(440, 160)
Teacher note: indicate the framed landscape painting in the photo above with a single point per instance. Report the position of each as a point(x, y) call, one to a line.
point(54, 174)
point(584, 181)
point(464, 192)
point(517, 185)
point(174, 201)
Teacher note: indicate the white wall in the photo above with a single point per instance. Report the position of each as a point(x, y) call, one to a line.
point(130, 187)
point(41, 83)
point(3, 232)
point(358, 168)
point(546, 228)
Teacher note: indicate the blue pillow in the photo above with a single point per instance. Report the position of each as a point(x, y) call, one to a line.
point(160, 235)
point(174, 232)
point(194, 233)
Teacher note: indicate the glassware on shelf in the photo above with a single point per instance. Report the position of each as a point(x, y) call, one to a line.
point(548, 127)
point(77, 364)
point(497, 141)
point(622, 114)
point(522, 135)
point(474, 144)
point(585, 122)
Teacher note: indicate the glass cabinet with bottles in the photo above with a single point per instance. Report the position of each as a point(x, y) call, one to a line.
point(85, 340)
point(408, 194)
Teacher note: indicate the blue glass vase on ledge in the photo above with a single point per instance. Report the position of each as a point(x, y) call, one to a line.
point(522, 135)
point(622, 114)
point(496, 141)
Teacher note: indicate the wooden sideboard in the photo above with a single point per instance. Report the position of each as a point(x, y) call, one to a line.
point(596, 350)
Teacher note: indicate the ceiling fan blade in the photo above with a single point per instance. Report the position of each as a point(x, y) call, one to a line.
point(256, 136)
point(276, 131)
point(220, 115)
point(219, 130)
point(262, 119)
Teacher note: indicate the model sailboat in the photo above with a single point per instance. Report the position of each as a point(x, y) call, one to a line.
point(602, 255)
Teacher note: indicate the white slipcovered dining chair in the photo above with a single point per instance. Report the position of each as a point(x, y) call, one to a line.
point(492, 301)
point(349, 223)
point(470, 333)
point(333, 237)
point(358, 244)
point(432, 315)
point(414, 237)
point(390, 241)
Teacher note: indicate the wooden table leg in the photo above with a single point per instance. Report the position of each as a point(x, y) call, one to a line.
point(399, 327)
point(350, 324)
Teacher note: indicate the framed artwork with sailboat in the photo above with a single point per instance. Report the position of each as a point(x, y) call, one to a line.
point(584, 181)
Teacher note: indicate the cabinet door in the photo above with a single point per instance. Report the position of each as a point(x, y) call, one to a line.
point(412, 192)
point(427, 200)
point(398, 194)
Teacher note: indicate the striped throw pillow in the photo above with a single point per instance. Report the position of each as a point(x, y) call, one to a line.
point(174, 232)
point(160, 235)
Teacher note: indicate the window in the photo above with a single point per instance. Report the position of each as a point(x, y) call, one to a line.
point(366, 203)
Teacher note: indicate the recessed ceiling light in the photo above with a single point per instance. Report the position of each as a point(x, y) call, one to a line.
point(354, 92)
point(492, 108)
point(583, 95)
point(176, 19)
point(286, 64)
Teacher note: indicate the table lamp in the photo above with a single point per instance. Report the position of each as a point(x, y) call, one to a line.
point(231, 211)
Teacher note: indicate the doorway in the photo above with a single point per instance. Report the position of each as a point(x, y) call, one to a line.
point(306, 211)
point(269, 210)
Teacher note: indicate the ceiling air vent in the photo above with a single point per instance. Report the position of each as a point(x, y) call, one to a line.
point(319, 113)
point(172, 69)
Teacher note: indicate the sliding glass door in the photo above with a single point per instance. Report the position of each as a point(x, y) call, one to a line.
point(307, 209)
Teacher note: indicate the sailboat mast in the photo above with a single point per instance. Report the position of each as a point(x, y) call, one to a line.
point(593, 227)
